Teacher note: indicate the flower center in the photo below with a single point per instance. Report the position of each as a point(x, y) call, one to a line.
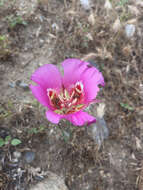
point(67, 101)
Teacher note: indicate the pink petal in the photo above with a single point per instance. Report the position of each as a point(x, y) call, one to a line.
point(77, 70)
point(73, 68)
point(53, 117)
point(91, 79)
point(47, 76)
point(80, 118)
point(40, 95)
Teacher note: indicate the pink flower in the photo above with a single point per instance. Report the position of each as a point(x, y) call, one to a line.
point(66, 96)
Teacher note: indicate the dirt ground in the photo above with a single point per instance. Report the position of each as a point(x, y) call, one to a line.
point(35, 32)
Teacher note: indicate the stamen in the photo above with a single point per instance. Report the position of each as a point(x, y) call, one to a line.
point(62, 105)
point(74, 101)
point(66, 94)
point(69, 105)
point(67, 102)
point(79, 87)
point(72, 94)
point(60, 96)
point(51, 93)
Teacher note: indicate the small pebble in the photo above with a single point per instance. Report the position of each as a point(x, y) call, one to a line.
point(12, 165)
point(38, 178)
point(98, 131)
point(14, 160)
point(12, 85)
point(130, 30)
point(29, 157)
point(18, 82)
point(17, 154)
point(23, 85)
point(55, 26)
point(41, 18)
point(86, 4)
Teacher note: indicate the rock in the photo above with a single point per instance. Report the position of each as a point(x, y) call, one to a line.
point(22, 84)
point(19, 83)
point(29, 156)
point(12, 164)
point(38, 178)
point(52, 182)
point(98, 131)
point(86, 4)
point(12, 84)
point(14, 160)
point(17, 154)
point(130, 30)
point(55, 27)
